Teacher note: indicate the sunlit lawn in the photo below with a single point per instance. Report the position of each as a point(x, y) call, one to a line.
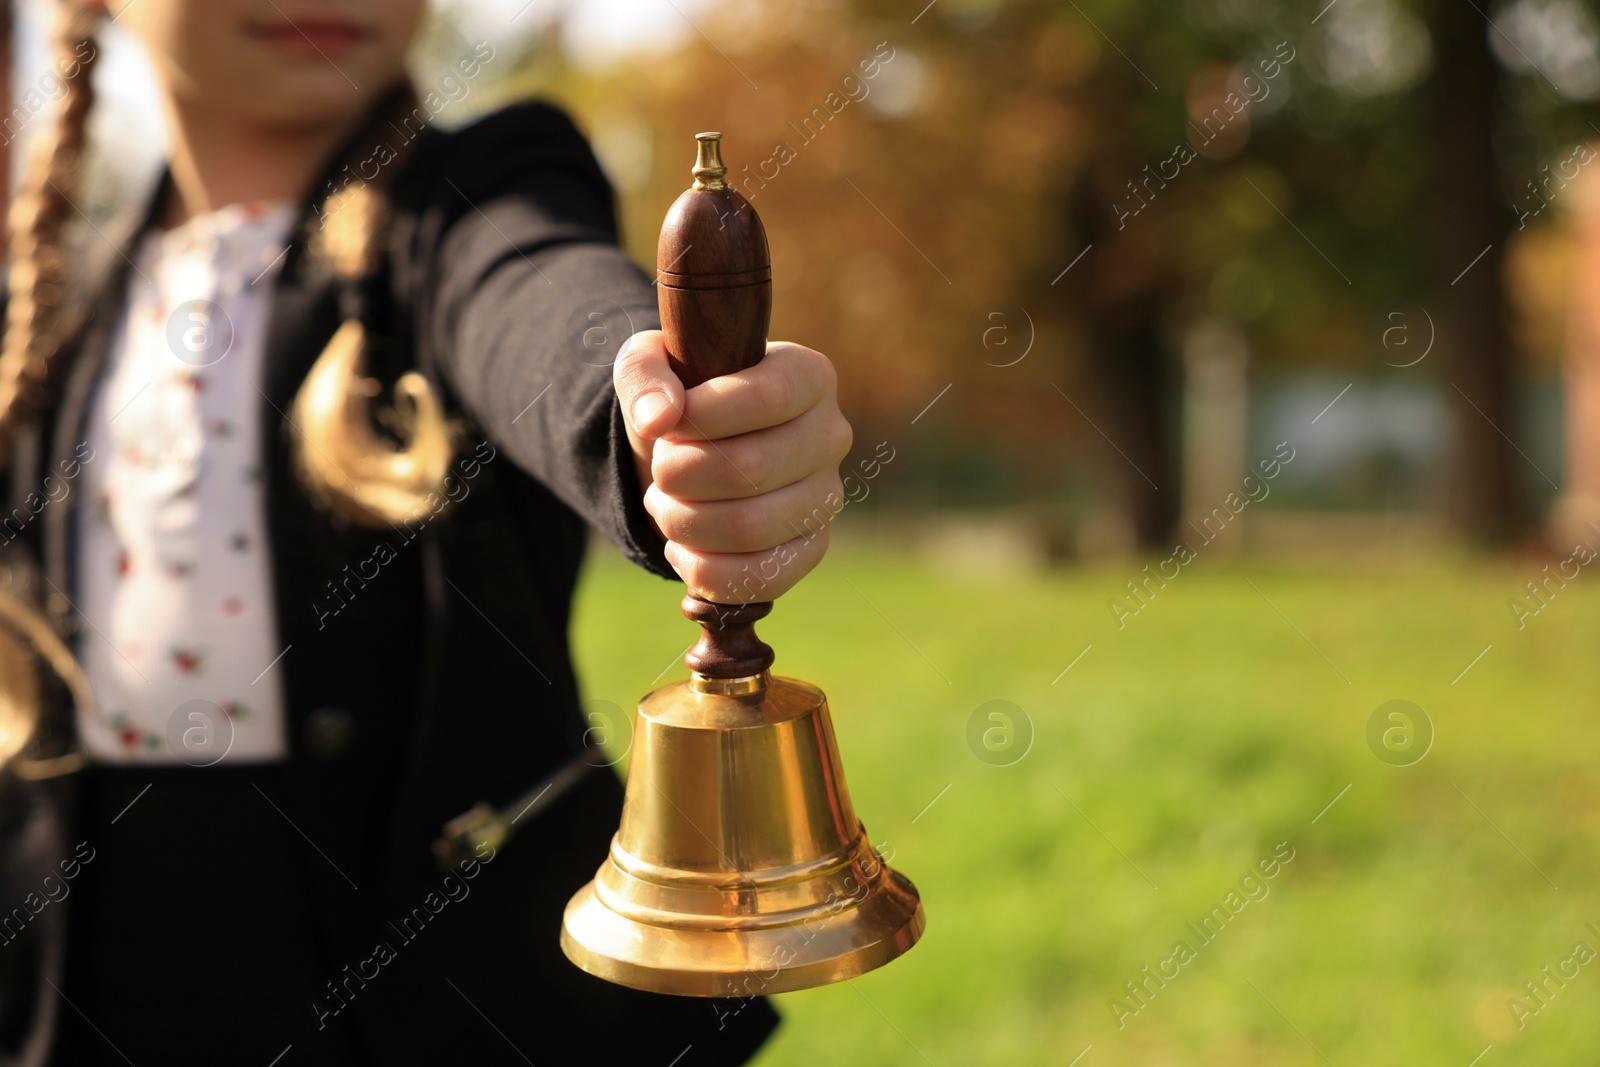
point(1167, 762)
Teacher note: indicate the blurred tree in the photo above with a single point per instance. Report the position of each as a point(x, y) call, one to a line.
point(1242, 169)
point(1473, 230)
point(1276, 168)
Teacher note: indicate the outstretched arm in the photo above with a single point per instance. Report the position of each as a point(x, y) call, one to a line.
point(732, 484)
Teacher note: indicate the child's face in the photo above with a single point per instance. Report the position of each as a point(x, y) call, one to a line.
point(280, 62)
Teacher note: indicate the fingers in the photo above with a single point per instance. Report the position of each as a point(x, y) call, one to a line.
point(789, 380)
point(753, 523)
point(651, 395)
point(745, 577)
point(753, 463)
point(742, 471)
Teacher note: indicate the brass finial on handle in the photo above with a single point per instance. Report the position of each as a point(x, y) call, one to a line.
point(708, 166)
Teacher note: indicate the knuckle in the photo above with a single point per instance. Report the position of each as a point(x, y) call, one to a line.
point(808, 552)
point(830, 501)
point(694, 470)
point(664, 475)
point(629, 383)
point(815, 513)
point(813, 554)
point(692, 569)
point(669, 469)
point(625, 367)
point(741, 526)
point(749, 463)
point(844, 438)
point(776, 391)
point(821, 366)
point(674, 520)
point(633, 370)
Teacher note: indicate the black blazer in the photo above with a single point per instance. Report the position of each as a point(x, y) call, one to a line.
point(447, 676)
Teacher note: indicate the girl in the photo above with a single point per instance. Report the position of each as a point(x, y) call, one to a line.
point(294, 507)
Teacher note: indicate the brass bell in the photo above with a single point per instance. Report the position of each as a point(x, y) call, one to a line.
point(740, 867)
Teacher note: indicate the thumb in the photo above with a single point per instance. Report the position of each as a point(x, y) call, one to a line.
point(651, 395)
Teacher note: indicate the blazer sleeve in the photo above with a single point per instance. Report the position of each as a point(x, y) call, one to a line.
point(531, 298)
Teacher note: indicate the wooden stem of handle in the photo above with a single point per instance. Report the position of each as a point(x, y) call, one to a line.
point(728, 645)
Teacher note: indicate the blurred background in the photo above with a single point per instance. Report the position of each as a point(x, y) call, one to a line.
point(1226, 383)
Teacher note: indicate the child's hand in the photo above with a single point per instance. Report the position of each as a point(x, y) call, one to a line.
point(741, 472)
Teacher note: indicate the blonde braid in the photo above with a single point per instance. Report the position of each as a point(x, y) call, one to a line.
point(26, 640)
point(36, 316)
point(342, 461)
point(36, 326)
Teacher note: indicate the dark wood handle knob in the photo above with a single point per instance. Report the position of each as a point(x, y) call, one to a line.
point(714, 279)
point(714, 288)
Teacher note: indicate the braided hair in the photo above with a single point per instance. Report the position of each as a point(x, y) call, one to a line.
point(37, 322)
point(345, 463)
point(351, 469)
point(37, 319)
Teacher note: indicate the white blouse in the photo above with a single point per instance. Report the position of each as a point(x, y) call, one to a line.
point(174, 578)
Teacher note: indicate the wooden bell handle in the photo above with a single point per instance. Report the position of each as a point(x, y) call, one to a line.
point(714, 288)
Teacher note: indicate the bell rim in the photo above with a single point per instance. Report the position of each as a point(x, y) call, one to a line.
point(697, 975)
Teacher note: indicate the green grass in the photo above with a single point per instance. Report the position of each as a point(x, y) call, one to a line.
point(1175, 754)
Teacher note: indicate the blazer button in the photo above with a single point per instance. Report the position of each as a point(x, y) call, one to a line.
point(329, 732)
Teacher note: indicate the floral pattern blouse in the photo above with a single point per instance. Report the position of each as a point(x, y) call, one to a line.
point(181, 644)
